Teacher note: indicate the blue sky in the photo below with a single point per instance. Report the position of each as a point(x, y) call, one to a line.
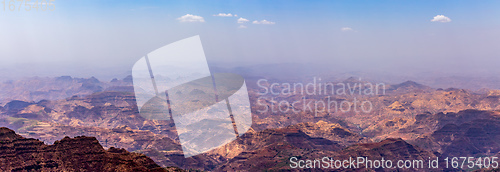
point(376, 34)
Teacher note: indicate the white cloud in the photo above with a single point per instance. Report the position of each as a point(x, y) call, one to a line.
point(441, 18)
point(224, 15)
point(191, 18)
point(346, 29)
point(242, 27)
point(242, 20)
point(263, 22)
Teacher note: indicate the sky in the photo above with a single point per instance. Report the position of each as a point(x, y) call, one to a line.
point(89, 37)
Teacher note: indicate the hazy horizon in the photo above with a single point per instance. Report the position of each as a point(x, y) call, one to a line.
point(91, 38)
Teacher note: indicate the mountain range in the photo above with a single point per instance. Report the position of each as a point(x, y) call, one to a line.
point(409, 121)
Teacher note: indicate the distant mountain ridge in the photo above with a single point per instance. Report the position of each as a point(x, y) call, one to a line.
point(44, 88)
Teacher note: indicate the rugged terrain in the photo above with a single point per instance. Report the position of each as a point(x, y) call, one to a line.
point(69, 154)
point(408, 121)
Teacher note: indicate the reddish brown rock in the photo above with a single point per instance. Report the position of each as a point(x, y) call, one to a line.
point(69, 154)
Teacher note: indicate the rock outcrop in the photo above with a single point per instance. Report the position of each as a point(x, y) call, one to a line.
point(69, 154)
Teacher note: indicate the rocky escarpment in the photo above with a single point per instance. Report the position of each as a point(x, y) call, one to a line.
point(69, 154)
point(277, 156)
point(466, 133)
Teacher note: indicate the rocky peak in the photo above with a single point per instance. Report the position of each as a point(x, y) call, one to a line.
point(69, 154)
point(7, 134)
point(16, 105)
point(410, 85)
point(128, 79)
